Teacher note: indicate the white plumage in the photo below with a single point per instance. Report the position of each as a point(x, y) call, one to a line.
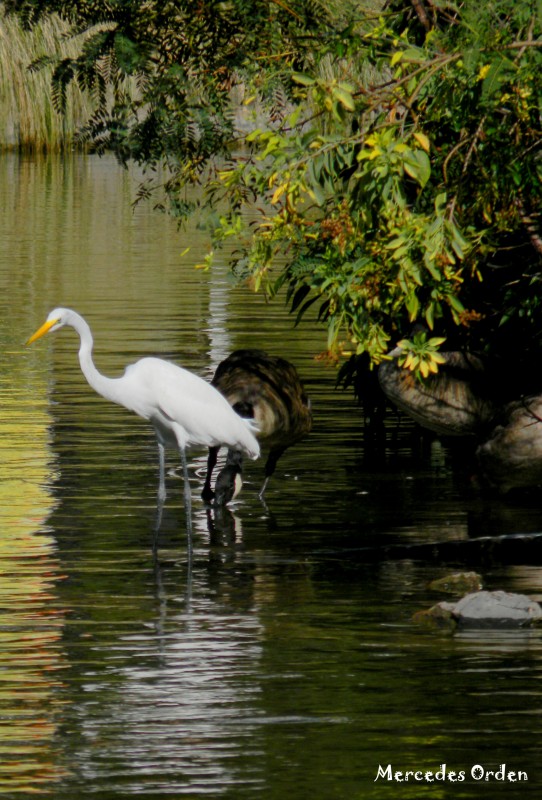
point(183, 408)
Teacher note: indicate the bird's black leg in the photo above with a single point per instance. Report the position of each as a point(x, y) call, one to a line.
point(270, 467)
point(207, 494)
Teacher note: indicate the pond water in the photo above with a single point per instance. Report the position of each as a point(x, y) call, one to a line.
point(287, 662)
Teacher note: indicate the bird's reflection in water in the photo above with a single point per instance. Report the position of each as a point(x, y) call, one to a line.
point(224, 526)
point(224, 529)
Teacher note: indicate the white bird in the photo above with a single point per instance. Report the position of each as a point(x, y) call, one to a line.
point(182, 408)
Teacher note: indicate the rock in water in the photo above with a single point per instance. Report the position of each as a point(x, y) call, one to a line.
point(459, 583)
point(454, 402)
point(484, 609)
point(512, 456)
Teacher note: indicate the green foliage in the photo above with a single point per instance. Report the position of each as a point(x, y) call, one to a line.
point(412, 198)
point(421, 354)
point(185, 58)
point(390, 170)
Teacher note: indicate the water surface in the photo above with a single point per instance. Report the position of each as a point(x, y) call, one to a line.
point(288, 662)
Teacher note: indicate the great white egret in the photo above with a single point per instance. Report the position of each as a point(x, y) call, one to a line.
point(182, 408)
point(268, 390)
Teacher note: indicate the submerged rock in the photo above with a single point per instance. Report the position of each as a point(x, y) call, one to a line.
point(511, 458)
point(435, 617)
point(459, 401)
point(498, 610)
point(458, 583)
point(454, 402)
point(462, 400)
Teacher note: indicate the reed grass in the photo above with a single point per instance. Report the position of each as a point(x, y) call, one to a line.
point(28, 120)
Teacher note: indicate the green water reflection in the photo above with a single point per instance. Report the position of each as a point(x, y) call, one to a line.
point(289, 665)
point(31, 615)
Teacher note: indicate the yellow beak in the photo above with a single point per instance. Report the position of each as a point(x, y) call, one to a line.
point(45, 328)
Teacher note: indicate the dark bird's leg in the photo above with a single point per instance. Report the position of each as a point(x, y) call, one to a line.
point(270, 467)
point(207, 493)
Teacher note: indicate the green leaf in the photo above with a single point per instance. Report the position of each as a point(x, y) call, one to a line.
point(413, 306)
point(430, 315)
point(494, 77)
point(456, 303)
point(257, 132)
point(345, 98)
point(316, 194)
point(304, 80)
point(418, 166)
point(432, 267)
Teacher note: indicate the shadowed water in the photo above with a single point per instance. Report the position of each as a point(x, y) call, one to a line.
point(287, 662)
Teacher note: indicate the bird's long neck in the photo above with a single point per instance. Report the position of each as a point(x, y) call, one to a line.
point(105, 386)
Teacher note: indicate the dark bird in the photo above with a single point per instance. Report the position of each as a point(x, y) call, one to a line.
point(268, 390)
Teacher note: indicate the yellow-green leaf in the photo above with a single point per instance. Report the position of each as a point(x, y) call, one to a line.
point(304, 80)
point(422, 140)
point(345, 98)
point(418, 166)
point(279, 191)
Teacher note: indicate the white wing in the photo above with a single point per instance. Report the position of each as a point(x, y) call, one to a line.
point(173, 397)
